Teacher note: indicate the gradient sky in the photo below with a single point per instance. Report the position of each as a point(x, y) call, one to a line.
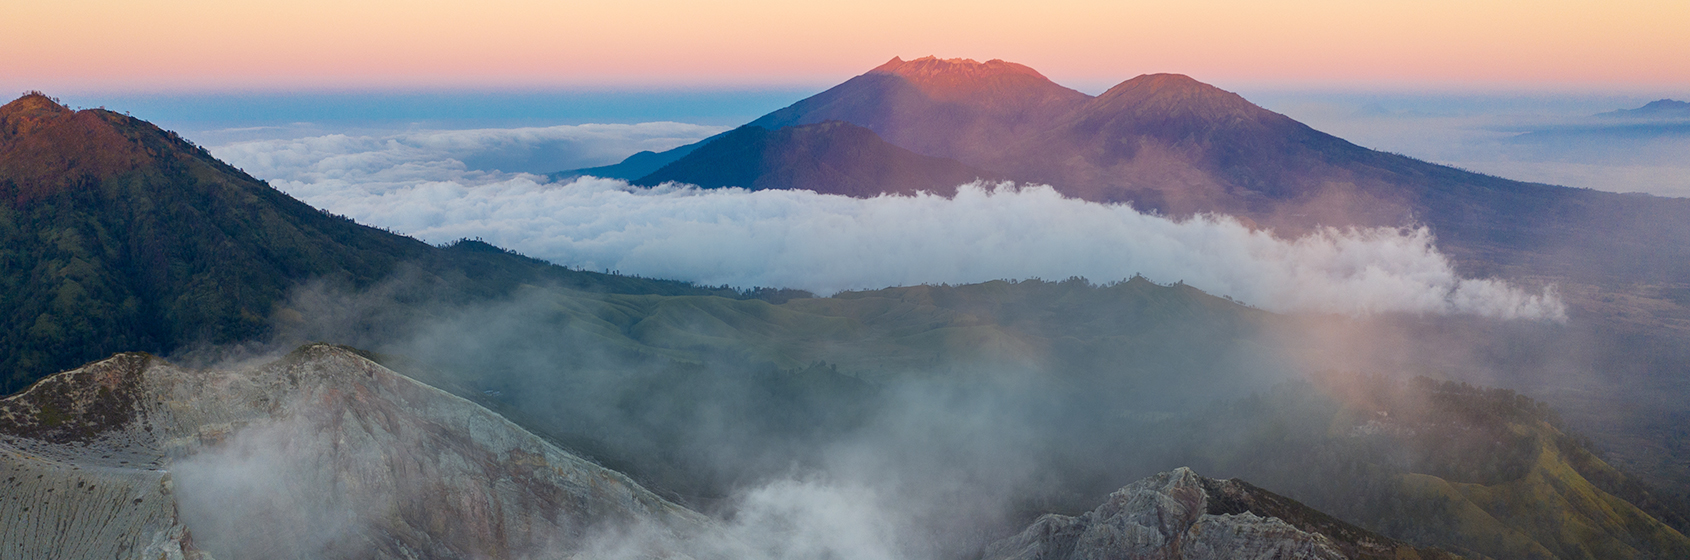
point(197, 45)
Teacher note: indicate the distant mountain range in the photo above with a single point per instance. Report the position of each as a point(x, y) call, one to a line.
point(1658, 109)
point(1618, 131)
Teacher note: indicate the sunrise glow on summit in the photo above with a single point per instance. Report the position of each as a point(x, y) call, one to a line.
point(915, 280)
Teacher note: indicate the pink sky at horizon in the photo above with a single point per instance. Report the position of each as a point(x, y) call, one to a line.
point(190, 45)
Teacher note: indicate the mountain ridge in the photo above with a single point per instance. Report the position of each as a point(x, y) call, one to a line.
point(116, 235)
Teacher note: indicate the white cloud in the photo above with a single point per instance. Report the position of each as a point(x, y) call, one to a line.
point(450, 153)
point(825, 243)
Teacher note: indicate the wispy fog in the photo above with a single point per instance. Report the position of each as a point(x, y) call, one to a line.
point(263, 495)
point(465, 156)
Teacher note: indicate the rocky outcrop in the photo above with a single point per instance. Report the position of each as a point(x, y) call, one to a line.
point(1179, 514)
point(321, 454)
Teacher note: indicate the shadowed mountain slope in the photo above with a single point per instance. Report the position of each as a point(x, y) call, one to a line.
point(830, 157)
point(118, 236)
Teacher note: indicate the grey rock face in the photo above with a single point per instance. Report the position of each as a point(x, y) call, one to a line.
point(1167, 516)
point(321, 454)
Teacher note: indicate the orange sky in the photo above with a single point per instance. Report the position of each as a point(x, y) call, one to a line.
point(243, 44)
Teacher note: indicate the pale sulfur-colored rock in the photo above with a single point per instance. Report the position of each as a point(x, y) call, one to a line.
point(320, 454)
point(1169, 516)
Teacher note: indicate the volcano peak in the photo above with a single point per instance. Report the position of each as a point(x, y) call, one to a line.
point(931, 68)
point(33, 104)
point(967, 80)
point(25, 113)
point(1177, 95)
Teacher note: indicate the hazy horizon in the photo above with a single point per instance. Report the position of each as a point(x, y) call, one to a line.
point(1485, 132)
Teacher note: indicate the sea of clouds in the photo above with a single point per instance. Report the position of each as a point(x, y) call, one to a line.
point(439, 187)
point(1556, 139)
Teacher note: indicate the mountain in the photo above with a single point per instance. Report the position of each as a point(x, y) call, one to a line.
point(1171, 143)
point(1658, 109)
point(118, 236)
point(321, 454)
point(635, 166)
point(956, 108)
point(1178, 514)
point(832, 157)
point(1168, 143)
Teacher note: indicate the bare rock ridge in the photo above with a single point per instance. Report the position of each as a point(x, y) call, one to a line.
point(1178, 514)
point(321, 454)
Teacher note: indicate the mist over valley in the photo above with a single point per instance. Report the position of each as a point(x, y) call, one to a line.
point(1159, 321)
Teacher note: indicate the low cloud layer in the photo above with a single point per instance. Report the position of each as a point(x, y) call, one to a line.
point(462, 155)
point(825, 243)
point(1554, 139)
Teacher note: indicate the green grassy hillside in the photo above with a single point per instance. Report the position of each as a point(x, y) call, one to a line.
point(1483, 472)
